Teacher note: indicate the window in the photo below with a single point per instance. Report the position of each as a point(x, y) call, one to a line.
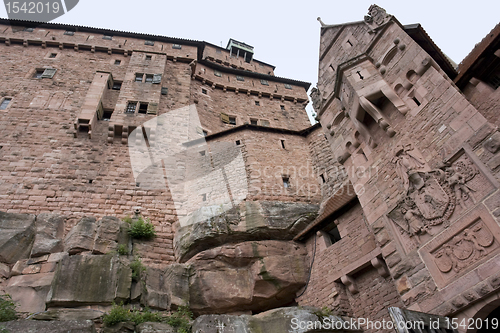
point(257, 103)
point(288, 86)
point(282, 144)
point(29, 29)
point(240, 78)
point(202, 153)
point(323, 180)
point(264, 123)
point(333, 233)
point(69, 33)
point(131, 106)
point(117, 86)
point(282, 107)
point(177, 46)
point(204, 197)
point(238, 142)
point(143, 108)
point(41, 73)
point(149, 43)
point(149, 78)
point(118, 62)
point(286, 182)
point(232, 120)
point(253, 121)
point(53, 55)
point(5, 103)
point(217, 73)
point(204, 91)
point(164, 90)
point(138, 77)
point(149, 57)
point(106, 115)
point(157, 78)
point(264, 82)
point(205, 133)
point(107, 37)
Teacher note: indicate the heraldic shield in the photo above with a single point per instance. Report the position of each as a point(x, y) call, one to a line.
point(431, 199)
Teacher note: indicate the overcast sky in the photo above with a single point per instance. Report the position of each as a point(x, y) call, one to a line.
point(285, 33)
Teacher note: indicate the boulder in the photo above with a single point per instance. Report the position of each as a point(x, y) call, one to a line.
point(4, 271)
point(49, 234)
point(17, 232)
point(247, 276)
point(30, 291)
point(281, 320)
point(35, 326)
point(166, 286)
point(100, 237)
point(124, 327)
point(91, 279)
point(154, 328)
point(81, 237)
point(251, 220)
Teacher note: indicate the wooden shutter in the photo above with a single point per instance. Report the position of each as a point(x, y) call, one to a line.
point(224, 117)
point(152, 108)
point(48, 73)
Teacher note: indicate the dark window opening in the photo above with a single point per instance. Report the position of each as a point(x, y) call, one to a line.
point(138, 77)
point(107, 37)
point(283, 144)
point(204, 197)
point(202, 153)
point(286, 182)
point(149, 57)
point(69, 33)
point(137, 184)
point(90, 181)
point(253, 121)
point(131, 106)
point(264, 82)
point(494, 80)
point(204, 91)
point(164, 90)
point(149, 43)
point(238, 142)
point(282, 107)
point(106, 115)
point(288, 86)
point(38, 73)
point(257, 103)
point(334, 234)
point(29, 29)
point(149, 78)
point(143, 108)
point(232, 120)
point(117, 86)
point(205, 133)
point(177, 46)
point(117, 62)
point(322, 178)
point(416, 101)
point(5, 103)
point(240, 78)
point(53, 55)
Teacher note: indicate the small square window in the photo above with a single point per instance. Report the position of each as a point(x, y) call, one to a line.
point(149, 57)
point(106, 115)
point(177, 46)
point(204, 91)
point(253, 121)
point(286, 182)
point(282, 107)
point(149, 43)
point(164, 90)
point(5, 103)
point(149, 78)
point(217, 73)
point(118, 62)
point(131, 106)
point(29, 29)
point(333, 233)
point(238, 142)
point(232, 120)
point(107, 37)
point(240, 78)
point(53, 55)
point(257, 103)
point(138, 77)
point(205, 133)
point(204, 197)
point(264, 82)
point(69, 33)
point(143, 108)
point(117, 86)
point(288, 86)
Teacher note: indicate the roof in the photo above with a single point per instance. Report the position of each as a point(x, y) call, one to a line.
point(420, 36)
point(485, 48)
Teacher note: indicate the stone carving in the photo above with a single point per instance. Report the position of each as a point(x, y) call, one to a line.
point(376, 16)
point(317, 100)
point(465, 248)
point(430, 196)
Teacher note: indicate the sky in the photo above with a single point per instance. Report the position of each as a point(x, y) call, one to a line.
point(285, 33)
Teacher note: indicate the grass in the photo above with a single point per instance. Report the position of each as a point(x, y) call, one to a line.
point(7, 308)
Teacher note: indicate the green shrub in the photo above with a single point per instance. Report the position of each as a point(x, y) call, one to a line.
point(137, 269)
point(139, 317)
point(116, 315)
point(7, 308)
point(142, 229)
point(181, 319)
point(122, 249)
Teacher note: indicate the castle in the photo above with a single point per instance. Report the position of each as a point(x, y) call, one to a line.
point(391, 200)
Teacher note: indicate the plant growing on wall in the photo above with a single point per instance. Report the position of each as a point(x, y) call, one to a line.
point(141, 229)
point(7, 308)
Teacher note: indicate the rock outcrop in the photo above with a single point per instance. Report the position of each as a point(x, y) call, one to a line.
point(251, 220)
point(17, 232)
point(49, 234)
point(69, 326)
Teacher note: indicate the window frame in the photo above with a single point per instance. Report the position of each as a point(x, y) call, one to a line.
point(2, 101)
